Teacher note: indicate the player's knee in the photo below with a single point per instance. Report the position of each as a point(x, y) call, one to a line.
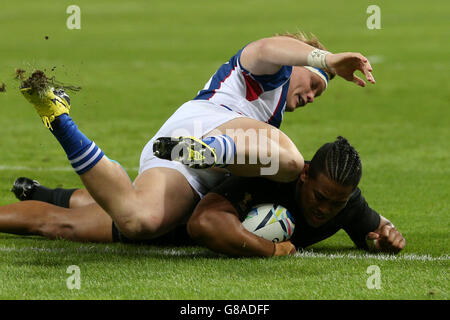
point(289, 160)
point(132, 229)
point(295, 164)
point(141, 226)
point(291, 165)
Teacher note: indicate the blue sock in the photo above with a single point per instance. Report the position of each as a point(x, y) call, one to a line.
point(82, 153)
point(225, 148)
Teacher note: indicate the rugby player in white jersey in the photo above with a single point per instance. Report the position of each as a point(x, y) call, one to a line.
point(251, 91)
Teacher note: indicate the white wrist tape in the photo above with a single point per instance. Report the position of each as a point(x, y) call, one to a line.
point(316, 58)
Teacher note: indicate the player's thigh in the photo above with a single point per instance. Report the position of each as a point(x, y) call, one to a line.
point(166, 198)
point(260, 144)
point(251, 131)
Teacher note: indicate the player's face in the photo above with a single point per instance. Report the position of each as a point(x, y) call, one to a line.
point(321, 198)
point(304, 87)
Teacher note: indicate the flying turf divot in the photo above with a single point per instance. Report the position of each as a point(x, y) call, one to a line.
point(47, 95)
point(40, 82)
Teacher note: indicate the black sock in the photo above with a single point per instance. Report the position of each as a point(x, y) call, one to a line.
point(59, 197)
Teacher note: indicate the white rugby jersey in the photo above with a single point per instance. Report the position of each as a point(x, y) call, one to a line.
point(259, 97)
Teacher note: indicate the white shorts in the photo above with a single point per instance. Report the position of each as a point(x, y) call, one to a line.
point(194, 118)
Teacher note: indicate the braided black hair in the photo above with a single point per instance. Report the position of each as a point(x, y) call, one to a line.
point(339, 161)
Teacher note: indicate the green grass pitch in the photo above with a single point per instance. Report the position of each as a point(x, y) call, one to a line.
point(137, 61)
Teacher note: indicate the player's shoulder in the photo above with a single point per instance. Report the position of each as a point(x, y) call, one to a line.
point(240, 184)
point(243, 193)
point(355, 206)
point(354, 200)
point(256, 188)
point(356, 194)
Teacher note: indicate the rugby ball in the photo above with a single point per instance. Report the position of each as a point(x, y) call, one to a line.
point(270, 221)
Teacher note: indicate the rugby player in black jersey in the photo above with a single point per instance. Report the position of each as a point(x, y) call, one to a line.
point(323, 200)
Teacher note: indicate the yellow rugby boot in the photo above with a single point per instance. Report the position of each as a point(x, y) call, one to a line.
point(48, 104)
point(190, 151)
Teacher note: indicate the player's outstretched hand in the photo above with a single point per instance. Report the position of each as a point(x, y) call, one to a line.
point(388, 239)
point(284, 248)
point(345, 65)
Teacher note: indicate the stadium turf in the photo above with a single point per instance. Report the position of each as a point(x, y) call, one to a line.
point(137, 61)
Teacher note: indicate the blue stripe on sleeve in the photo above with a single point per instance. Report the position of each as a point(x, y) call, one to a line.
point(219, 77)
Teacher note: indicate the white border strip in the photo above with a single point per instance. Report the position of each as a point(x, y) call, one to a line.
point(92, 249)
point(202, 251)
point(385, 257)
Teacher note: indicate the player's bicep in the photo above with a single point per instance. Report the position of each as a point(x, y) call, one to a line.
point(254, 59)
point(214, 202)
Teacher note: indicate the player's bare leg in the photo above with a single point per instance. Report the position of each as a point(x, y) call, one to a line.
point(85, 224)
point(141, 210)
point(245, 146)
point(80, 198)
point(261, 150)
point(80, 222)
point(146, 208)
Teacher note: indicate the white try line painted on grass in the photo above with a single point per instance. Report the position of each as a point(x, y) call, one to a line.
point(385, 257)
point(202, 252)
point(89, 249)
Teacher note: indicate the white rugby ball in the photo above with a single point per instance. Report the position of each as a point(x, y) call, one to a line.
point(270, 221)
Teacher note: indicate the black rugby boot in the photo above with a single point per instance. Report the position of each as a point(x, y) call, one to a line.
point(23, 188)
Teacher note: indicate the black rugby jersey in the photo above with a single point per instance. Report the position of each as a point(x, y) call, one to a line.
point(357, 218)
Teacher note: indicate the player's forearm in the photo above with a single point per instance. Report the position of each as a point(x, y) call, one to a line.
point(285, 51)
point(267, 55)
point(242, 244)
point(237, 241)
point(222, 232)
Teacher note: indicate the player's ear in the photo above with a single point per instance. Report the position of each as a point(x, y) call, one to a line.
point(304, 173)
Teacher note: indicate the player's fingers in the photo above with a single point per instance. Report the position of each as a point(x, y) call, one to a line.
point(378, 244)
point(385, 231)
point(402, 244)
point(360, 82)
point(284, 248)
point(396, 241)
point(293, 250)
point(368, 75)
point(365, 67)
point(372, 236)
point(368, 66)
point(393, 235)
point(382, 244)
